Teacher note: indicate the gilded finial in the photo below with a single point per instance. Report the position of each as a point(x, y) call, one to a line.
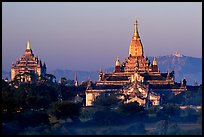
point(155, 61)
point(28, 44)
point(135, 28)
point(117, 63)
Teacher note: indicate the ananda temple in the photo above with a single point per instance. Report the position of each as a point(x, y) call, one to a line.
point(136, 77)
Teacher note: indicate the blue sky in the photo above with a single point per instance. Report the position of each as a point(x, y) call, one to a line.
point(90, 35)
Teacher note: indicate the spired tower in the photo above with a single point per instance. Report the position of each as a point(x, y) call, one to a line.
point(136, 60)
point(136, 48)
point(117, 65)
point(28, 63)
point(75, 80)
point(154, 65)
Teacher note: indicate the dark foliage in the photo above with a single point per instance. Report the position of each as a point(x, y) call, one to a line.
point(189, 97)
point(132, 107)
point(33, 118)
point(108, 117)
point(106, 100)
point(66, 109)
point(168, 110)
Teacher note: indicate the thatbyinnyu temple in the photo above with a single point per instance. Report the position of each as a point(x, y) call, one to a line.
point(26, 65)
point(136, 77)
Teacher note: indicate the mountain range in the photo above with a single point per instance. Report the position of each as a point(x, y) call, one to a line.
point(186, 67)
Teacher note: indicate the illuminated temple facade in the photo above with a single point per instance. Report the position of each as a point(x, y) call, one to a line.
point(27, 64)
point(136, 77)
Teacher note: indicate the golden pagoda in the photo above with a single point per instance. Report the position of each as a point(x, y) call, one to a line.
point(136, 48)
point(135, 74)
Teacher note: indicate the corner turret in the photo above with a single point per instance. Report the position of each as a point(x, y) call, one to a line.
point(117, 65)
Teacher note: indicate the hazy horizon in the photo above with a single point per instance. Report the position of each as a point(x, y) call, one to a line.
point(89, 36)
point(94, 70)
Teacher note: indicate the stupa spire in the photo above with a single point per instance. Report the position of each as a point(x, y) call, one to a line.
point(117, 63)
point(136, 48)
point(28, 44)
point(135, 35)
point(155, 61)
point(135, 28)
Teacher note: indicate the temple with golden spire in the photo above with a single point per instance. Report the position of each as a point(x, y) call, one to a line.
point(28, 64)
point(135, 74)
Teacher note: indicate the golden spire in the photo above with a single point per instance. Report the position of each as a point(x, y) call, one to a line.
point(135, 29)
point(155, 61)
point(117, 63)
point(28, 44)
point(136, 48)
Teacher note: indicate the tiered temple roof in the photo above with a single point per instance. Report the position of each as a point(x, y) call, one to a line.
point(28, 63)
point(136, 74)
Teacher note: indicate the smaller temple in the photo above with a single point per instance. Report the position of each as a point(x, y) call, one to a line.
point(28, 67)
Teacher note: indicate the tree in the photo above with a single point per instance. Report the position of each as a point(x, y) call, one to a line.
point(37, 102)
point(153, 109)
point(5, 86)
point(65, 109)
point(10, 103)
point(106, 100)
point(108, 117)
point(85, 83)
point(16, 80)
point(32, 76)
point(87, 113)
point(132, 107)
point(33, 118)
point(169, 110)
point(50, 77)
point(63, 81)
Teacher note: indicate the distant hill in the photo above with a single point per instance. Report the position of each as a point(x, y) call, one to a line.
point(186, 67)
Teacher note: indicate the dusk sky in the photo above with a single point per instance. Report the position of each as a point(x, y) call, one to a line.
point(90, 35)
